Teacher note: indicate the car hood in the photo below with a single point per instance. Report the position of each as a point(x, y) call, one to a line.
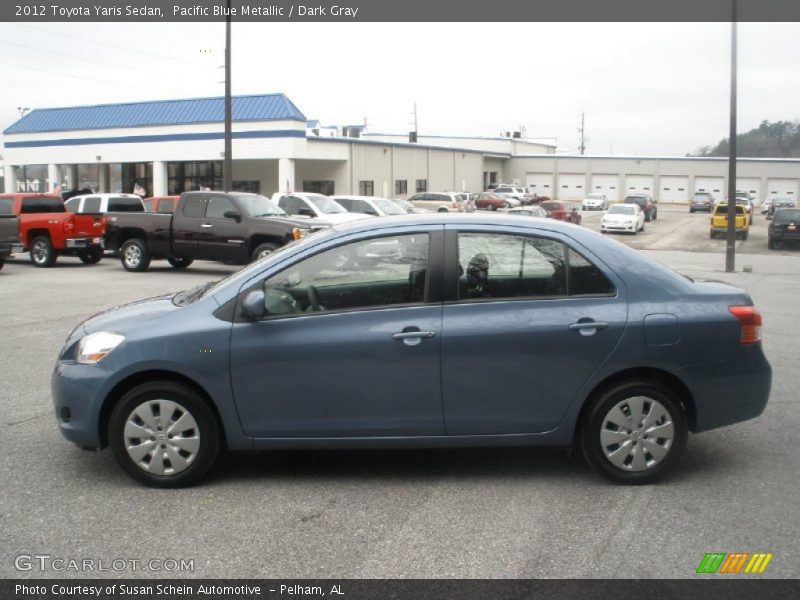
point(121, 318)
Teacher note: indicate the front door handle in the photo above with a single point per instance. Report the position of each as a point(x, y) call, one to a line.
point(410, 335)
point(206, 225)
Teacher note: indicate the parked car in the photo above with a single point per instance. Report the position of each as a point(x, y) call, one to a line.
point(369, 205)
point(408, 207)
point(48, 231)
point(233, 227)
point(529, 211)
point(747, 203)
point(489, 201)
point(562, 210)
point(701, 201)
point(595, 201)
point(644, 355)
point(160, 204)
point(646, 203)
point(780, 202)
point(719, 221)
point(104, 203)
point(316, 206)
point(9, 233)
point(440, 202)
point(785, 227)
point(626, 218)
point(516, 192)
point(765, 206)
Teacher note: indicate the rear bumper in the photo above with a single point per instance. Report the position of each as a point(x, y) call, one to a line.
point(81, 243)
point(729, 391)
point(725, 229)
point(791, 236)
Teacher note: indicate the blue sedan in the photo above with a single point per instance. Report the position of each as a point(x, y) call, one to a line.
point(472, 330)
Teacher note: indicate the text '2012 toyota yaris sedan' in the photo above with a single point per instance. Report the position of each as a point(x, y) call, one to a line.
point(419, 331)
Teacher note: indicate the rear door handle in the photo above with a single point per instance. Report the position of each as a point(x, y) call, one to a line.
point(588, 327)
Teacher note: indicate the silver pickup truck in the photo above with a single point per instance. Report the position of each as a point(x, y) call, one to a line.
point(9, 237)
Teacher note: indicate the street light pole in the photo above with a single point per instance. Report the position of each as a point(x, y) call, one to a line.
point(227, 167)
point(730, 248)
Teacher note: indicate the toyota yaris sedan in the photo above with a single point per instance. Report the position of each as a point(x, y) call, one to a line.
point(482, 331)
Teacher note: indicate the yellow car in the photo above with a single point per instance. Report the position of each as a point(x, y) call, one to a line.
point(719, 221)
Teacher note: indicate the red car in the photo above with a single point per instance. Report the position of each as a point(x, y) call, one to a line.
point(161, 204)
point(48, 231)
point(489, 201)
point(562, 211)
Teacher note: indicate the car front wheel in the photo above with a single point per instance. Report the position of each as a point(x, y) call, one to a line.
point(163, 434)
point(263, 250)
point(634, 432)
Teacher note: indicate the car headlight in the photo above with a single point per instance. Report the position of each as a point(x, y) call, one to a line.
point(96, 346)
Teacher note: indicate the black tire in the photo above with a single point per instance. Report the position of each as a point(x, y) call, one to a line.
point(599, 419)
point(745, 235)
point(647, 216)
point(147, 397)
point(134, 255)
point(712, 235)
point(491, 207)
point(180, 263)
point(442, 210)
point(2, 263)
point(42, 253)
point(262, 250)
point(771, 244)
point(691, 210)
point(655, 215)
point(91, 257)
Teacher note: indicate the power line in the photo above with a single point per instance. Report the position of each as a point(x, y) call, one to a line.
point(75, 37)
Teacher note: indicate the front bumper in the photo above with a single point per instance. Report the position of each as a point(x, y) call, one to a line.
point(625, 228)
point(78, 392)
point(84, 243)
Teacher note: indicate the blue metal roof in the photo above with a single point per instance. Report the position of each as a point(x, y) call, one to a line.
point(269, 107)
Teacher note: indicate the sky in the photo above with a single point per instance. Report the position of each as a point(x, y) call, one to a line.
point(644, 88)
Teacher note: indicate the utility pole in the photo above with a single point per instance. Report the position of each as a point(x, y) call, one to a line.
point(227, 166)
point(730, 247)
point(412, 137)
point(582, 131)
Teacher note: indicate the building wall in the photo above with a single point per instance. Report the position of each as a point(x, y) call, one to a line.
point(263, 171)
point(336, 171)
point(484, 144)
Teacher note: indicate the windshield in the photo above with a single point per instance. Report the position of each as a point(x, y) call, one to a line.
point(325, 204)
point(193, 294)
point(389, 207)
point(787, 215)
point(621, 209)
point(256, 205)
point(595, 196)
point(640, 200)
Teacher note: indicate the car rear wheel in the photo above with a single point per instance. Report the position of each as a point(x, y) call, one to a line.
point(442, 210)
point(180, 263)
point(634, 432)
point(2, 263)
point(91, 257)
point(134, 255)
point(771, 244)
point(163, 434)
point(42, 253)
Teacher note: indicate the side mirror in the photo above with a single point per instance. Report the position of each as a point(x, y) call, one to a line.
point(306, 212)
point(371, 211)
point(253, 306)
point(232, 214)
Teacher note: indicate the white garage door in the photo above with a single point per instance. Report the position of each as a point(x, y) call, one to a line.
point(606, 184)
point(571, 186)
point(673, 188)
point(714, 185)
point(540, 184)
point(749, 184)
point(639, 183)
point(782, 187)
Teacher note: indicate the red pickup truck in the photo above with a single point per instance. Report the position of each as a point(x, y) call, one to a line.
point(47, 230)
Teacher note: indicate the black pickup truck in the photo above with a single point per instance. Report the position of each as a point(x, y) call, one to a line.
point(9, 237)
point(229, 227)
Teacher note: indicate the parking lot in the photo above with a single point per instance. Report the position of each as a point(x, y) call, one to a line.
point(470, 513)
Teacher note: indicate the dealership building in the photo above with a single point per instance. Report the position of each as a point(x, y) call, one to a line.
point(171, 146)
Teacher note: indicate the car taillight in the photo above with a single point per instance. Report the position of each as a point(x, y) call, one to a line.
point(750, 320)
point(69, 225)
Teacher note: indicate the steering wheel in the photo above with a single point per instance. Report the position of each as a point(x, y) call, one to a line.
point(313, 298)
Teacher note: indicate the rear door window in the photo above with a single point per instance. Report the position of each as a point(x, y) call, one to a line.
point(193, 207)
point(6, 206)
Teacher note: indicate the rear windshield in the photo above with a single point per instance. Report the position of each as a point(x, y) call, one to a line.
point(787, 215)
point(6, 206)
point(551, 206)
point(42, 204)
point(122, 204)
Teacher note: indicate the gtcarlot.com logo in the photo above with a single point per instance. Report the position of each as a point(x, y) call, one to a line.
point(734, 563)
point(46, 562)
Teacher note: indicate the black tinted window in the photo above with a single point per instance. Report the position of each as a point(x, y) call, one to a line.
point(193, 207)
point(786, 215)
point(42, 205)
point(6, 206)
point(584, 278)
point(121, 204)
point(218, 206)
